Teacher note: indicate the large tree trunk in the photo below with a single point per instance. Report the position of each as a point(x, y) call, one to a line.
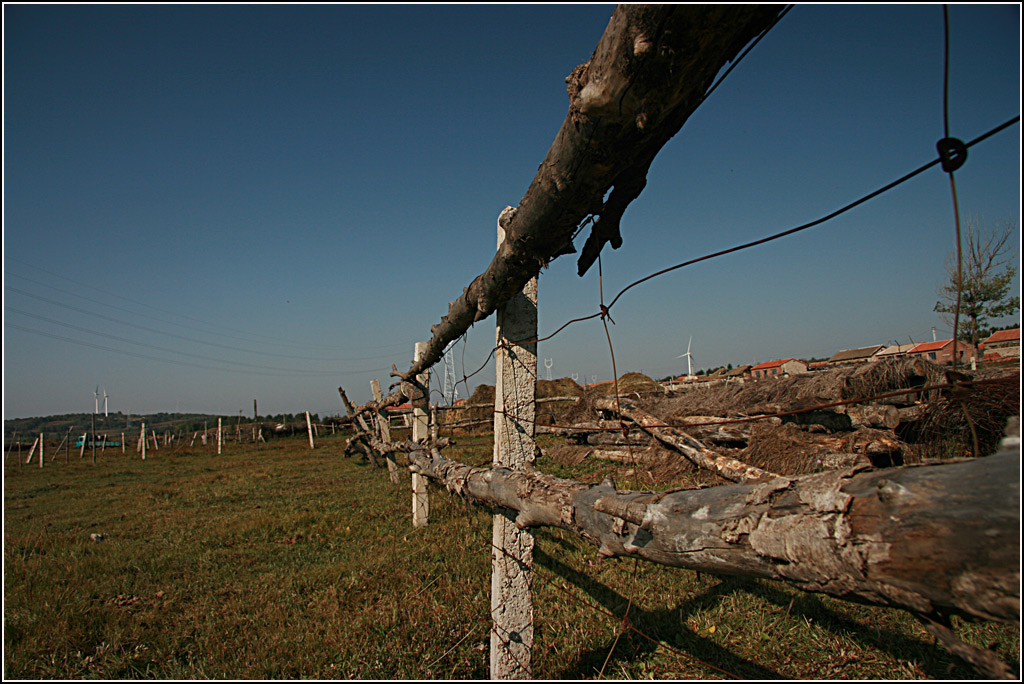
point(649, 73)
point(937, 540)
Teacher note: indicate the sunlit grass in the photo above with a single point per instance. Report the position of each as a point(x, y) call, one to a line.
point(288, 563)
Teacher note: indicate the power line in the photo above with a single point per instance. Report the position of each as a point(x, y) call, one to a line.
point(217, 329)
point(93, 314)
point(154, 358)
point(165, 349)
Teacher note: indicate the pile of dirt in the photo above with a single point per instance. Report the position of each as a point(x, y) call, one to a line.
point(562, 387)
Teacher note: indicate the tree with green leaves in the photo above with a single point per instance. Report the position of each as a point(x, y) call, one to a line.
point(985, 276)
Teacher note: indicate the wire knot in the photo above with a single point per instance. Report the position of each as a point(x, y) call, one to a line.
point(952, 152)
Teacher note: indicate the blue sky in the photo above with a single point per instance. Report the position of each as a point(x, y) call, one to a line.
point(210, 204)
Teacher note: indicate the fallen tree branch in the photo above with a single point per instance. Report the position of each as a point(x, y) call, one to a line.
point(648, 74)
point(406, 445)
point(697, 453)
point(933, 540)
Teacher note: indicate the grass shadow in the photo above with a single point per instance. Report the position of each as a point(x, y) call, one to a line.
point(935, 661)
point(661, 625)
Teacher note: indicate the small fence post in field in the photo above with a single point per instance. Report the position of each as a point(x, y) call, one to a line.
point(32, 451)
point(85, 440)
point(142, 441)
point(56, 452)
point(10, 447)
point(384, 431)
point(41, 449)
point(309, 429)
point(122, 444)
point(420, 501)
point(515, 391)
point(220, 437)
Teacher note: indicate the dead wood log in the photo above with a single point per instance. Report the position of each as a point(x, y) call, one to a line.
point(697, 453)
point(909, 414)
point(873, 415)
point(936, 540)
point(405, 445)
point(621, 454)
point(637, 438)
point(648, 74)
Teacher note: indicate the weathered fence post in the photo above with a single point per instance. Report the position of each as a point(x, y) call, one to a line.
point(420, 502)
point(40, 449)
point(384, 430)
point(10, 447)
point(142, 440)
point(56, 452)
point(122, 444)
point(515, 392)
point(309, 430)
point(32, 451)
point(220, 436)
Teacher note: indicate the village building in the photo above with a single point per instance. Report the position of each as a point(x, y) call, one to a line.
point(895, 351)
point(1003, 342)
point(780, 368)
point(941, 352)
point(859, 355)
point(739, 372)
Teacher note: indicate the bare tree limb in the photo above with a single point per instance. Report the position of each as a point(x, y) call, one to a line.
point(938, 539)
point(697, 453)
point(648, 74)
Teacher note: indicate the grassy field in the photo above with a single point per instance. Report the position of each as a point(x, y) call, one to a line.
point(288, 563)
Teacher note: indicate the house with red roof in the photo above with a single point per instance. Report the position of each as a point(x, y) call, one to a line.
point(941, 352)
point(780, 368)
point(1003, 343)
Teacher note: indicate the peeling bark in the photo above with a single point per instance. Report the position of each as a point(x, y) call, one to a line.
point(940, 539)
point(405, 445)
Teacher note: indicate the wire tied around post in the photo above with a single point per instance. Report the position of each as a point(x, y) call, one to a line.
point(952, 152)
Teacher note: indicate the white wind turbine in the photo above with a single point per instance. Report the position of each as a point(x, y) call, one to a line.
point(105, 397)
point(689, 359)
point(96, 403)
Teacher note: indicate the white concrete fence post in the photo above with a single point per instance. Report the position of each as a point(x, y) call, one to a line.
point(514, 447)
point(420, 433)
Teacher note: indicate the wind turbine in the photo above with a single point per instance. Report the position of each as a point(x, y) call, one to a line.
point(689, 359)
point(105, 397)
point(96, 396)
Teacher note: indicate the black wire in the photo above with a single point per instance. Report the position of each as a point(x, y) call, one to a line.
point(819, 221)
point(747, 50)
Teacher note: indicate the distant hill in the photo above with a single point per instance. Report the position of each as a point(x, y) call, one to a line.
point(117, 422)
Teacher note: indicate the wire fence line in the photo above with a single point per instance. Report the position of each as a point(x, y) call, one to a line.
point(953, 384)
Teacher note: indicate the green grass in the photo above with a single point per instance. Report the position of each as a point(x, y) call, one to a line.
point(288, 563)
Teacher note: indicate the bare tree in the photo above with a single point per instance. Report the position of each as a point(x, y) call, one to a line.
point(985, 275)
